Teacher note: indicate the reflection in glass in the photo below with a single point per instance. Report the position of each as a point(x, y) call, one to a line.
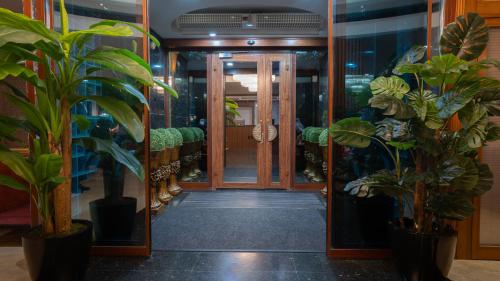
point(187, 73)
point(489, 232)
point(241, 117)
point(15, 216)
point(275, 120)
point(311, 112)
point(369, 43)
point(104, 191)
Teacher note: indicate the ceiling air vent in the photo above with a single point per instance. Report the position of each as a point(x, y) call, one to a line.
point(277, 21)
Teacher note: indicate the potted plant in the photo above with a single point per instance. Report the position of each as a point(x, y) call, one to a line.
point(187, 153)
point(173, 187)
point(165, 158)
point(323, 144)
point(113, 217)
point(156, 146)
point(446, 173)
point(59, 248)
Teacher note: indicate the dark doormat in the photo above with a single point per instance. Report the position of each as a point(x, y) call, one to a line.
point(242, 221)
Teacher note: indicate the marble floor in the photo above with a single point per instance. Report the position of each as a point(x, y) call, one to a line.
point(220, 266)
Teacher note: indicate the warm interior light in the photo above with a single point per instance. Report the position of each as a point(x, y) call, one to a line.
point(212, 34)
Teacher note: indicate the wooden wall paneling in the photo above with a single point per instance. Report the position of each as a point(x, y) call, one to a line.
point(280, 43)
point(217, 118)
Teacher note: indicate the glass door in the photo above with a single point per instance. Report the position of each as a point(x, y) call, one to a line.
point(248, 91)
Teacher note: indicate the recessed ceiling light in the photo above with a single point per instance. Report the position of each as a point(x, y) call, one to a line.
point(229, 64)
point(249, 24)
point(212, 34)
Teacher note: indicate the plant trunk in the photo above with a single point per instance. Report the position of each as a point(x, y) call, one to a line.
point(62, 193)
point(418, 203)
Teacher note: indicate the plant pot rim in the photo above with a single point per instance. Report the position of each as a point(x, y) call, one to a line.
point(35, 233)
point(432, 234)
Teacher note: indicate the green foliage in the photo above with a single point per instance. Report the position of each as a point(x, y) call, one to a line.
point(177, 136)
point(188, 135)
point(313, 134)
point(466, 38)
point(168, 139)
point(447, 85)
point(155, 141)
point(323, 138)
point(63, 57)
point(391, 86)
point(352, 132)
point(305, 133)
point(199, 134)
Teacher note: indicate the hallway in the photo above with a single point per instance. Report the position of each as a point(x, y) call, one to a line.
point(242, 220)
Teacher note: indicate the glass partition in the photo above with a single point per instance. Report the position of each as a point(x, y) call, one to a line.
point(15, 216)
point(369, 38)
point(187, 73)
point(104, 191)
point(311, 111)
point(489, 232)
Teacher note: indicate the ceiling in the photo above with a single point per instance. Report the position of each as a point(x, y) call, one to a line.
point(359, 17)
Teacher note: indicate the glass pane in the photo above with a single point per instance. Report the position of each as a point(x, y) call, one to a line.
point(15, 216)
point(241, 116)
point(368, 43)
point(311, 111)
point(489, 232)
point(104, 191)
point(188, 75)
point(275, 121)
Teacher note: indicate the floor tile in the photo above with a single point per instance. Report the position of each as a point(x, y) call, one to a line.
point(238, 261)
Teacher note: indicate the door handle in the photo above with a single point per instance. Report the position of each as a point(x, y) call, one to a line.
point(257, 133)
point(272, 132)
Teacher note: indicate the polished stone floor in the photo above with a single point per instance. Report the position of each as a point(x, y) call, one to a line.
point(221, 266)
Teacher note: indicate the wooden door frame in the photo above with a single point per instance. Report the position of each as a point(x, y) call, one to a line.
point(469, 246)
point(216, 111)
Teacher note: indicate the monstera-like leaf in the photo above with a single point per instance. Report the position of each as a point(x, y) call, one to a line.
point(456, 98)
point(352, 132)
point(467, 37)
point(426, 109)
point(445, 69)
point(393, 86)
point(474, 120)
point(413, 55)
point(392, 106)
point(490, 98)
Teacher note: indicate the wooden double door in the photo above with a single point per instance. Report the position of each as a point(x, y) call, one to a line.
point(251, 104)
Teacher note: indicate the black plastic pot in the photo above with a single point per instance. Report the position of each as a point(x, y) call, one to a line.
point(63, 258)
point(113, 219)
point(423, 257)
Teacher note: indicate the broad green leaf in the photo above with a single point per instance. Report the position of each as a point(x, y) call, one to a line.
point(467, 37)
point(122, 61)
point(468, 180)
point(392, 129)
point(133, 26)
point(353, 132)
point(410, 68)
point(16, 70)
point(413, 55)
point(123, 114)
point(20, 166)
point(485, 181)
point(122, 87)
point(424, 105)
point(392, 106)
point(492, 132)
point(102, 30)
point(393, 86)
point(490, 99)
point(405, 145)
point(121, 155)
point(30, 112)
point(8, 127)
point(10, 20)
point(456, 98)
point(171, 91)
point(81, 121)
point(12, 183)
point(474, 120)
point(47, 166)
point(15, 53)
point(445, 69)
point(453, 206)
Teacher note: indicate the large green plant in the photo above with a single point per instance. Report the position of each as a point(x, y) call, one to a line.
point(446, 173)
point(60, 58)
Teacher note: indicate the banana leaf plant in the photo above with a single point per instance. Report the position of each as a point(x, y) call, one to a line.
point(446, 172)
point(60, 58)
